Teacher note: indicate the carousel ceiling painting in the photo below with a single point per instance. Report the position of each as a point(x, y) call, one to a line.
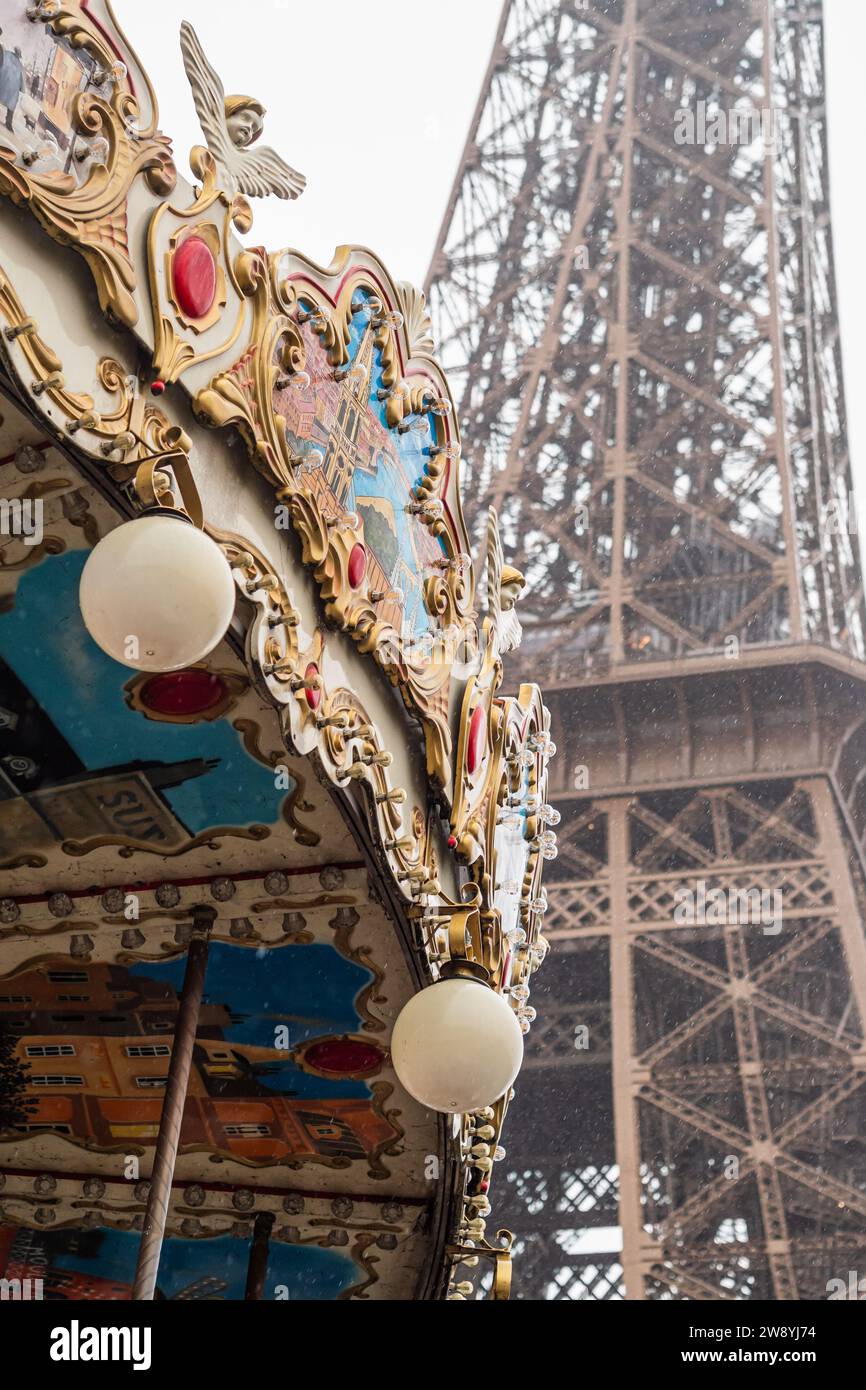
point(271, 830)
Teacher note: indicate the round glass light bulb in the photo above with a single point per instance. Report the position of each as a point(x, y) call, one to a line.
point(457, 1046)
point(157, 594)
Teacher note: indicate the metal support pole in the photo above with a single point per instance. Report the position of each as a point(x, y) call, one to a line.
point(258, 1265)
point(171, 1119)
point(845, 897)
point(625, 1118)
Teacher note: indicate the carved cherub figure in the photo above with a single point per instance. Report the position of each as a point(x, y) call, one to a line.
point(231, 124)
point(244, 120)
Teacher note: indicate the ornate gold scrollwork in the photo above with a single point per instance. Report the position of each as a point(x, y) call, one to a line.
point(46, 366)
point(346, 741)
point(173, 353)
point(326, 547)
point(128, 846)
point(92, 217)
point(418, 325)
point(132, 433)
point(243, 395)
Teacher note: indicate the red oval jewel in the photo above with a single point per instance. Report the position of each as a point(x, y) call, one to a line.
point(357, 565)
point(477, 738)
point(314, 697)
point(183, 692)
point(194, 277)
point(344, 1057)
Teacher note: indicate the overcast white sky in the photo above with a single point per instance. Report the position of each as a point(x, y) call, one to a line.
point(377, 124)
point(376, 121)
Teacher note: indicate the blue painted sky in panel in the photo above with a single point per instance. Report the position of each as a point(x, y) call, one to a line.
point(311, 989)
point(46, 643)
point(307, 1271)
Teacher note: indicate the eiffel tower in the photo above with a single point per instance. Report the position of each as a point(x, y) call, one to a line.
point(633, 288)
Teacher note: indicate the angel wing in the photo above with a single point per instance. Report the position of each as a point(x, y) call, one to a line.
point(255, 172)
point(209, 96)
point(504, 627)
point(495, 561)
point(261, 171)
point(512, 632)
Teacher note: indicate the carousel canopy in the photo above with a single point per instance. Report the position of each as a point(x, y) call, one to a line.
point(271, 834)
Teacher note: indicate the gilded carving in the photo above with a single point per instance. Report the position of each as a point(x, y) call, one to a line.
point(174, 352)
point(129, 846)
point(417, 321)
point(243, 395)
point(344, 924)
point(91, 216)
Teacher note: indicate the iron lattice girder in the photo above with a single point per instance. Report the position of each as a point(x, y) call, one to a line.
point(647, 330)
point(742, 1067)
point(741, 1047)
point(643, 336)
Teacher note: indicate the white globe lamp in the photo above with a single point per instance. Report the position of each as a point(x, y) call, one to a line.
point(457, 1045)
point(157, 593)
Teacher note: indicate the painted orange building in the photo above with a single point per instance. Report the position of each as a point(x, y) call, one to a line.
point(97, 1041)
